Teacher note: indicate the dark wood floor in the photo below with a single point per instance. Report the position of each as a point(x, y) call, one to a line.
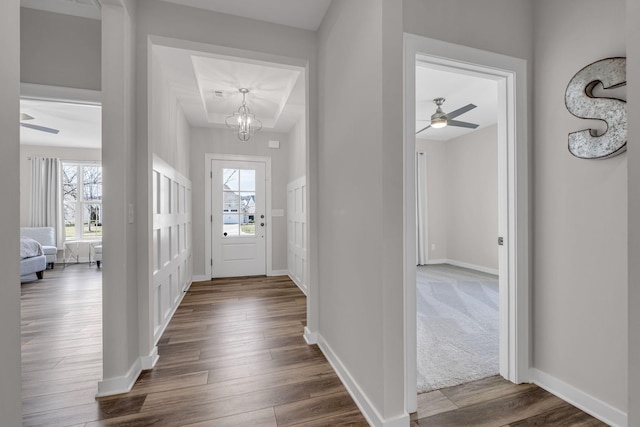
point(233, 355)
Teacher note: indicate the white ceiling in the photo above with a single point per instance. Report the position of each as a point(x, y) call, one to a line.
point(276, 94)
point(305, 14)
point(458, 90)
point(79, 124)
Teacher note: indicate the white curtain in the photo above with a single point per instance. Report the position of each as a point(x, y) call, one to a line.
point(46, 196)
point(421, 209)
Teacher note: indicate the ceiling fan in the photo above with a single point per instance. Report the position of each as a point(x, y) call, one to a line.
point(24, 116)
point(440, 119)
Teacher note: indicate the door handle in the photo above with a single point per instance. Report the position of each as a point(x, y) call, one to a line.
point(262, 224)
point(224, 234)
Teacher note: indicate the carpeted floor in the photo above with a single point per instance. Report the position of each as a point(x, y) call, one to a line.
point(458, 325)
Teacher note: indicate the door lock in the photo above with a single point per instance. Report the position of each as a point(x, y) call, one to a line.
point(262, 224)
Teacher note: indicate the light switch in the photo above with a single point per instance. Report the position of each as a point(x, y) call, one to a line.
point(277, 212)
point(274, 144)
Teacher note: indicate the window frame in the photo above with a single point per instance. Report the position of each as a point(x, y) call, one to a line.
point(80, 202)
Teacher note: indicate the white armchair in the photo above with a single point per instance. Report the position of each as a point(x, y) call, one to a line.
point(46, 236)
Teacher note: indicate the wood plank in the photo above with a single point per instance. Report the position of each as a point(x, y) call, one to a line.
point(565, 415)
point(496, 412)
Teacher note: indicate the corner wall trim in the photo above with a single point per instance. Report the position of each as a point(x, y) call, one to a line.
point(310, 337)
point(589, 404)
point(119, 385)
point(361, 399)
point(149, 362)
point(299, 285)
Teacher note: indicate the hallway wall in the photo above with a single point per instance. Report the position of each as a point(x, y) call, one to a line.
point(579, 211)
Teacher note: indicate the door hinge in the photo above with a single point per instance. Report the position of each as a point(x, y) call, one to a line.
point(500, 241)
point(211, 262)
point(211, 219)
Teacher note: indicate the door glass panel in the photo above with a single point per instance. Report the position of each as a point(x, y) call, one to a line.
point(247, 216)
point(231, 179)
point(247, 180)
point(239, 202)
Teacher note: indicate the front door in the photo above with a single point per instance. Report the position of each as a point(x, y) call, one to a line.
point(238, 209)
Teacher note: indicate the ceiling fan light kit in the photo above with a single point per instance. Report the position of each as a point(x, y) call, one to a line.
point(243, 122)
point(440, 119)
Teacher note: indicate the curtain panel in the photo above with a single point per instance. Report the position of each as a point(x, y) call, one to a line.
point(46, 196)
point(421, 209)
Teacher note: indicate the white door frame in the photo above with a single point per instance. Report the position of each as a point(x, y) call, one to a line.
point(511, 75)
point(208, 158)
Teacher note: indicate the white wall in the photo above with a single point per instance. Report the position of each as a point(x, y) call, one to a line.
point(298, 150)
point(633, 158)
point(223, 141)
point(59, 50)
point(502, 26)
point(360, 189)
point(462, 198)
point(126, 338)
point(169, 129)
point(579, 210)
point(10, 368)
point(63, 153)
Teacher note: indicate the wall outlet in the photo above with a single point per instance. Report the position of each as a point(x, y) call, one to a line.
point(433, 246)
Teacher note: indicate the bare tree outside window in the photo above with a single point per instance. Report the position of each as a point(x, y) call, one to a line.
point(82, 196)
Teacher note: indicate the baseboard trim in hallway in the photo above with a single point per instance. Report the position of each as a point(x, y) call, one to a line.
point(589, 404)
point(360, 398)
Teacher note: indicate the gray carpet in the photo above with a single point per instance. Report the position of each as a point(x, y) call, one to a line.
point(458, 325)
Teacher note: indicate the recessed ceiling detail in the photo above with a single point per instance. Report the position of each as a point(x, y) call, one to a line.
point(270, 88)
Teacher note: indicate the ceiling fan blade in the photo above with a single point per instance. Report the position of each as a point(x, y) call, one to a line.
point(459, 111)
point(462, 124)
point(25, 116)
point(425, 128)
point(41, 128)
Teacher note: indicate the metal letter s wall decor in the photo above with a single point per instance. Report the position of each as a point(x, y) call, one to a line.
point(586, 144)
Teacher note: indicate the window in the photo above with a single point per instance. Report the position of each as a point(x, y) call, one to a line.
point(82, 197)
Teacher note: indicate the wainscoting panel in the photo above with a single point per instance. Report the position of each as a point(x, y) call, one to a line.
point(297, 231)
point(172, 252)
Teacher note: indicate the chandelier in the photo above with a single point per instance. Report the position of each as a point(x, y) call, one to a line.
point(243, 122)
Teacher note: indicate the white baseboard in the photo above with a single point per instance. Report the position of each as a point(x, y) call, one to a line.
point(589, 404)
point(361, 399)
point(310, 337)
point(278, 273)
point(462, 264)
point(201, 278)
point(299, 284)
point(119, 385)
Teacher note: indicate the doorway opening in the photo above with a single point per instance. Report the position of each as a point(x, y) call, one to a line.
point(457, 286)
point(61, 208)
point(509, 75)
